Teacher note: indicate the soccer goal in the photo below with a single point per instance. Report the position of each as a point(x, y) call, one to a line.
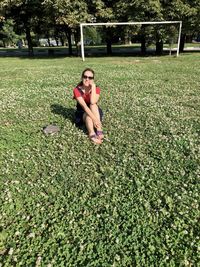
point(82, 25)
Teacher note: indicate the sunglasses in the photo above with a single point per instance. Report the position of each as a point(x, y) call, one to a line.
point(88, 77)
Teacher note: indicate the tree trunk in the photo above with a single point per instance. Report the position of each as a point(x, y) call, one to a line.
point(109, 47)
point(77, 42)
point(143, 40)
point(48, 40)
point(182, 42)
point(57, 40)
point(127, 39)
point(159, 47)
point(69, 40)
point(28, 38)
point(109, 41)
point(62, 41)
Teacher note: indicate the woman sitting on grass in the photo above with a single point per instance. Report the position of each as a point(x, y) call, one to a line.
point(87, 94)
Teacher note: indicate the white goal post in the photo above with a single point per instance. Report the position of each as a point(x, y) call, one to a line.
point(128, 23)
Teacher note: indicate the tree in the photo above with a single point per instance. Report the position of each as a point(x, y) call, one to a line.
point(186, 11)
point(104, 11)
point(92, 35)
point(8, 35)
point(142, 10)
point(68, 15)
point(25, 14)
point(49, 17)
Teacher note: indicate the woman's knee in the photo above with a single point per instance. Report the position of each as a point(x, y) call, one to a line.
point(93, 106)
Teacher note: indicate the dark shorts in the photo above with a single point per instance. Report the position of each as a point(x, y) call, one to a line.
point(79, 116)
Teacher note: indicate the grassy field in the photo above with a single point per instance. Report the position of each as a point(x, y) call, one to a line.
point(134, 200)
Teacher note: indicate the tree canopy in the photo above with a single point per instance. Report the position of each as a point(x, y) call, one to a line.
point(61, 18)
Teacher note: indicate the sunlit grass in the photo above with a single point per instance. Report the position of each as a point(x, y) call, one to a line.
point(134, 200)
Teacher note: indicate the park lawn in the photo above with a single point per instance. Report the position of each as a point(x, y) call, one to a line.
point(134, 200)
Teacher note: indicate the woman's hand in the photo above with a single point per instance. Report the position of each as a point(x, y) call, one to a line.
point(97, 123)
point(93, 86)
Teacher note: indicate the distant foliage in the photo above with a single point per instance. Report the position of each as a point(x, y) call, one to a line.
point(8, 35)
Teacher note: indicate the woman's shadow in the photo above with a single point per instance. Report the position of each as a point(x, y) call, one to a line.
point(67, 113)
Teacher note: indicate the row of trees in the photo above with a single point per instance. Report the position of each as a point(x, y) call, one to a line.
point(61, 18)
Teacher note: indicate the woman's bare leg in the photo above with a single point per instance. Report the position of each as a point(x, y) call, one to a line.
point(90, 128)
point(95, 110)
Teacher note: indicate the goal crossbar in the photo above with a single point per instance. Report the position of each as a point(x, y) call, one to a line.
point(128, 23)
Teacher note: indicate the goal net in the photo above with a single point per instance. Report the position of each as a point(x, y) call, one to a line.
point(170, 33)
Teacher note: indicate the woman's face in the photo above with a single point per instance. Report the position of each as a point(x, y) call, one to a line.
point(87, 78)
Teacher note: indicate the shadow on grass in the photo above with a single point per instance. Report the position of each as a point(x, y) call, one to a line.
point(66, 113)
point(88, 53)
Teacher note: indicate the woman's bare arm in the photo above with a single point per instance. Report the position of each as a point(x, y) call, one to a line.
point(94, 96)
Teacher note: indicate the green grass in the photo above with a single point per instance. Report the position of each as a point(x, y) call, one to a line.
point(134, 200)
